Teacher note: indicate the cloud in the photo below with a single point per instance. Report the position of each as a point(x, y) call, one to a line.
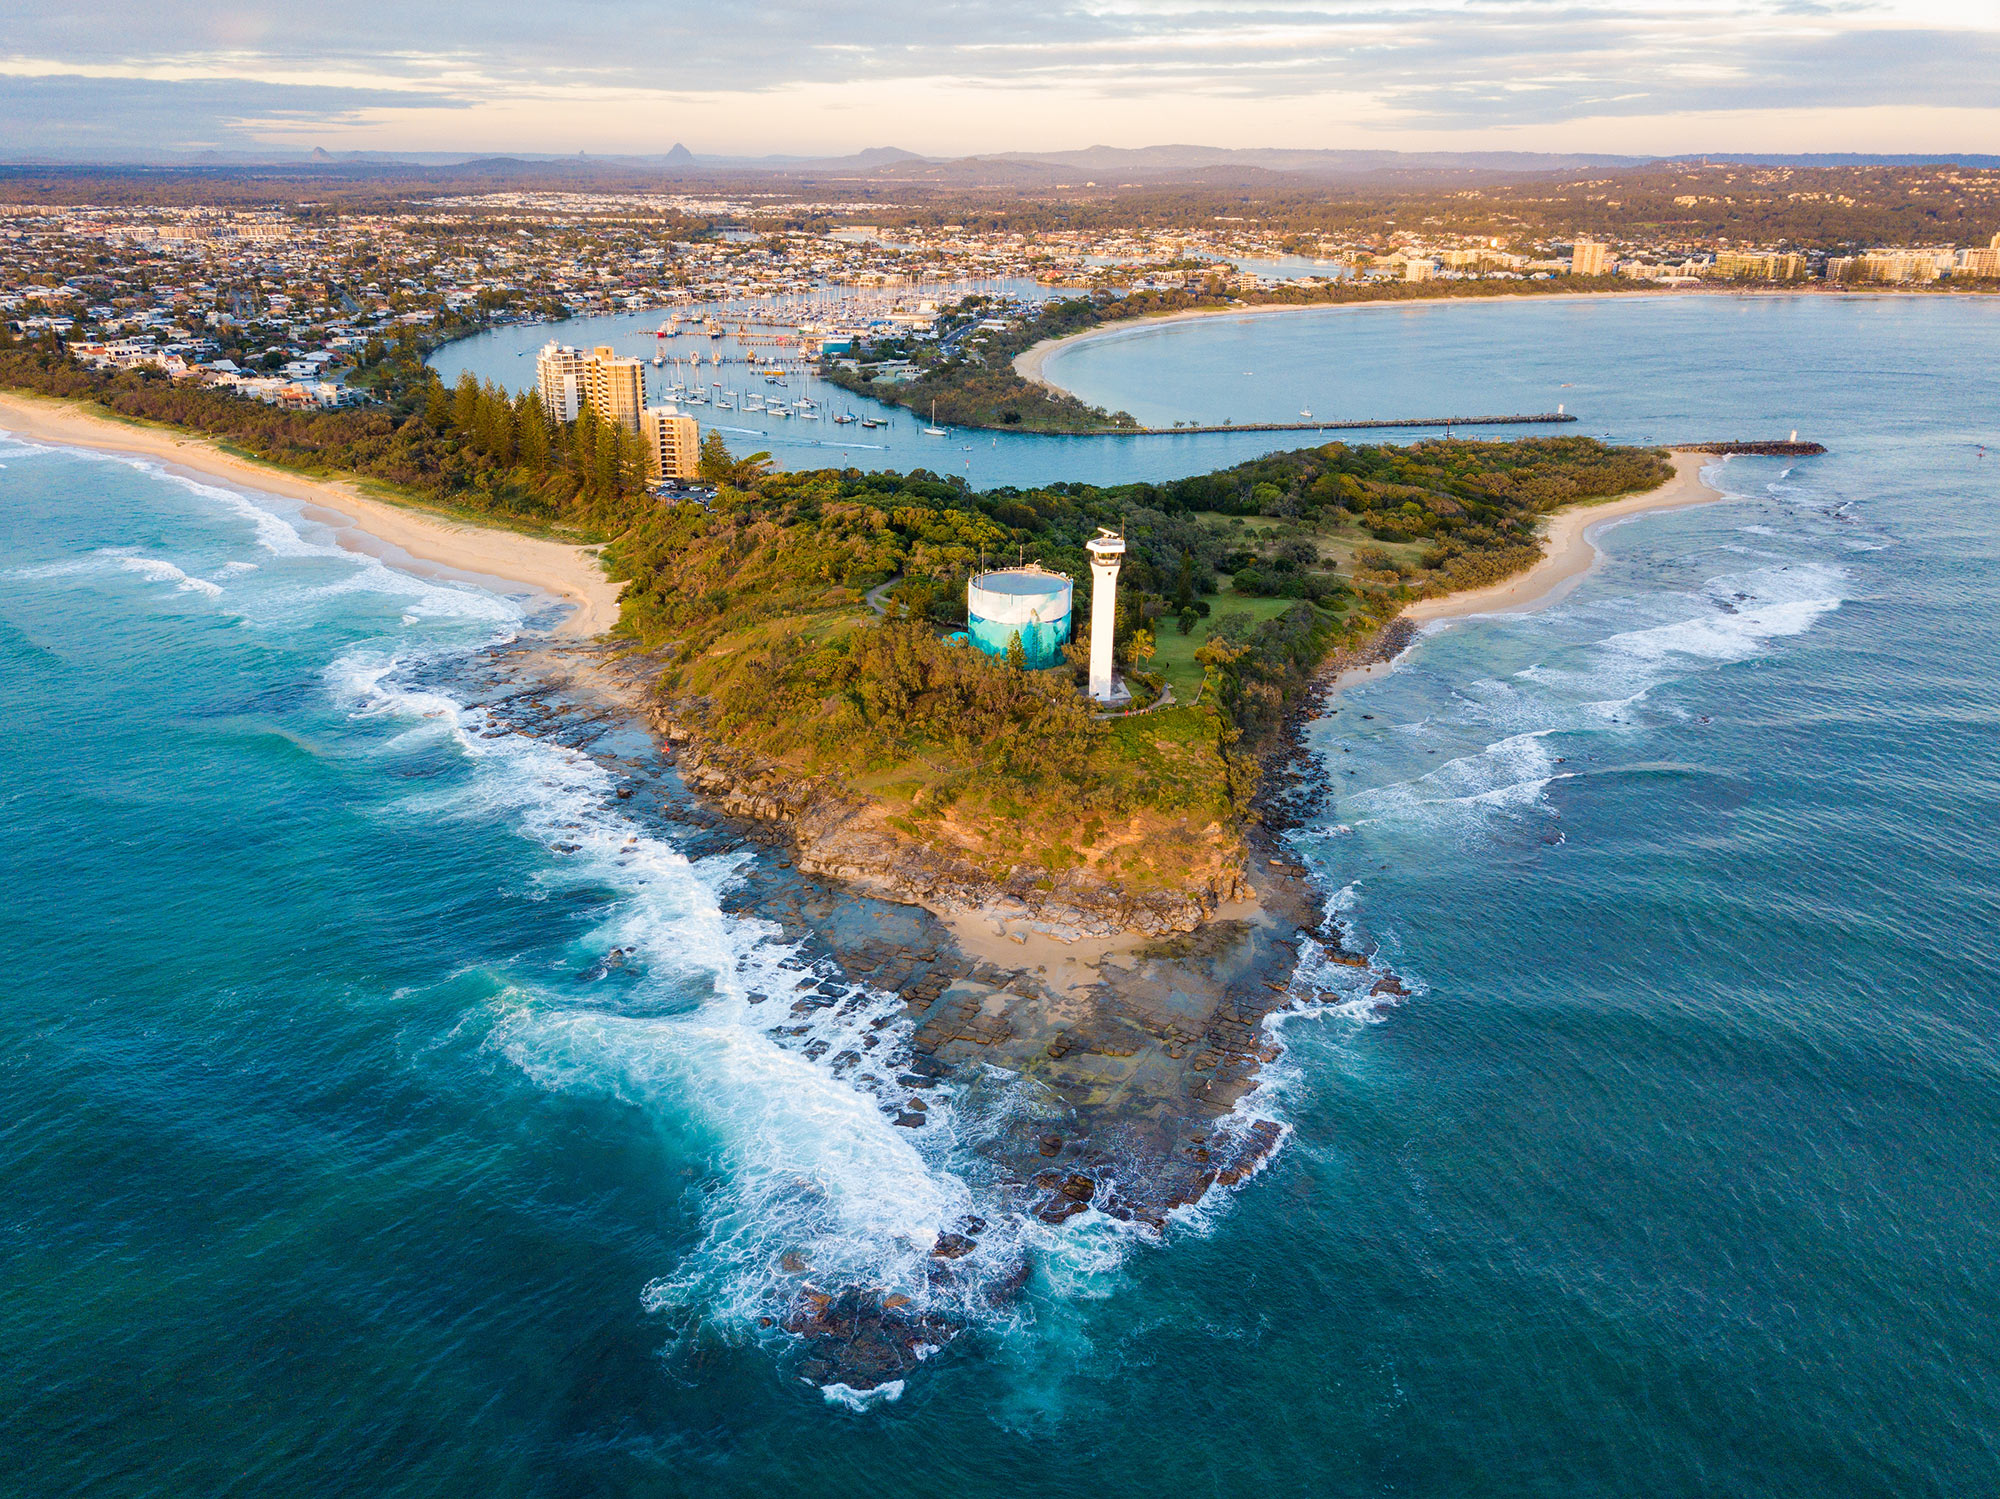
point(603, 74)
point(67, 116)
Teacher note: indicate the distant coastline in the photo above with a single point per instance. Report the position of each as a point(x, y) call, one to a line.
point(569, 572)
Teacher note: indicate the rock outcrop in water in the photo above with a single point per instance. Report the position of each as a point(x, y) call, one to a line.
point(1129, 1033)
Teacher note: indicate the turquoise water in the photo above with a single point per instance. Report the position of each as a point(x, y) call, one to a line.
point(336, 1159)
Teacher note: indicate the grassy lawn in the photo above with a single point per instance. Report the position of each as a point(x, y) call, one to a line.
point(1174, 655)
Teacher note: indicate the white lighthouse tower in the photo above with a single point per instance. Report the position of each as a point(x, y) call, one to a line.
point(1105, 552)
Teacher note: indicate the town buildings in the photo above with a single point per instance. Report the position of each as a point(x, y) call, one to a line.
point(1732, 265)
point(312, 305)
point(1589, 258)
point(617, 387)
point(562, 375)
point(569, 379)
point(673, 442)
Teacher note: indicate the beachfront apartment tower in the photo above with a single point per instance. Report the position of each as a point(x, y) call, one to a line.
point(1589, 258)
point(617, 387)
point(1106, 552)
point(673, 442)
point(562, 375)
point(570, 379)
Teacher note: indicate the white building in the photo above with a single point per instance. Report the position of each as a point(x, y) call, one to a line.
point(563, 376)
point(1106, 552)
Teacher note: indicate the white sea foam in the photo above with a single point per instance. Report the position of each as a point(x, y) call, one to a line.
point(1595, 684)
point(428, 600)
point(158, 570)
point(862, 1400)
point(812, 1181)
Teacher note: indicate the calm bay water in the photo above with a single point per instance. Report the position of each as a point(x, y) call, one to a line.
point(1651, 368)
point(335, 1162)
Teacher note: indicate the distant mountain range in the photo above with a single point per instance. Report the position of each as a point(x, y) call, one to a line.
point(1103, 167)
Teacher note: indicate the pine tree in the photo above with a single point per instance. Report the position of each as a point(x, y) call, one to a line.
point(437, 406)
point(531, 430)
point(465, 403)
point(715, 464)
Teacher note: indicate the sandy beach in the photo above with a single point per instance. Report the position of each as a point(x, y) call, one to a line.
point(572, 573)
point(1570, 550)
point(1570, 553)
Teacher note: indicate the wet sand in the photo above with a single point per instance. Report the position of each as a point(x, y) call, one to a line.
point(570, 572)
point(1570, 550)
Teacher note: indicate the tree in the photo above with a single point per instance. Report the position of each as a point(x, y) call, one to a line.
point(437, 406)
point(1017, 658)
point(718, 466)
point(465, 403)
point(531, 432)
point(1139, 649)
point(714, 463)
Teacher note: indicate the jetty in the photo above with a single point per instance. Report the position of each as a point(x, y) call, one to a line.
point(1539, 418)
point(1792, 449)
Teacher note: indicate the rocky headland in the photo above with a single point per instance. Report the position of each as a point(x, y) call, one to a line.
point(1136, 1028)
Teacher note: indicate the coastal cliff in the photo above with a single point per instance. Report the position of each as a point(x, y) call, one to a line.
point(839, 835)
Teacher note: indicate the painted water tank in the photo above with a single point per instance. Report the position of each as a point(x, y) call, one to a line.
point(1024, 601)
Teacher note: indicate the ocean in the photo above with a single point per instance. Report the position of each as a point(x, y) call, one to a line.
point(384, 1110)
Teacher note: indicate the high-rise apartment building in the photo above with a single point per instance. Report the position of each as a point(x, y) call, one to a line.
point(562, 375)
point(570, 379)
point(1588, 258)
point(617, 387)
point(1980, 265)
point(673, 442)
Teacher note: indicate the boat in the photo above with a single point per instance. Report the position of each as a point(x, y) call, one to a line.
point(843, 419)
point(934, 430)
point(1307, 415)
point(871, 423)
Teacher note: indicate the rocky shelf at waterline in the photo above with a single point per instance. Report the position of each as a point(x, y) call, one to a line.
point(1130, 1059)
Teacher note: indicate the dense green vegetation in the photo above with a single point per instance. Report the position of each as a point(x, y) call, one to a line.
point(473, 448)
point(973, 383)
point(1246, 577)
point(1235, 586)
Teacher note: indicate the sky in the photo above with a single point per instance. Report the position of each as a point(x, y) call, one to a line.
point(118, 80)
